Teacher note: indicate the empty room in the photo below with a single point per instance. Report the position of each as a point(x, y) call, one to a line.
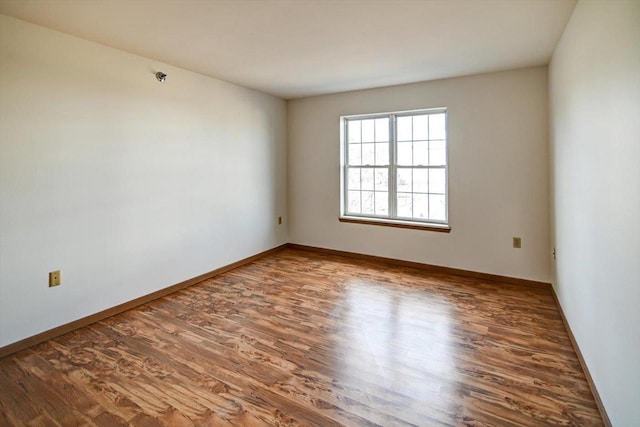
point(320, 213)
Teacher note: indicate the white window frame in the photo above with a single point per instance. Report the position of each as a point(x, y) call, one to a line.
point(392, 218)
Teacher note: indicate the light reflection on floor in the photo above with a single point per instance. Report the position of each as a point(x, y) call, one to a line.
point(402, 338)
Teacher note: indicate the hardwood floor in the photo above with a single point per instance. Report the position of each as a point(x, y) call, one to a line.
point(300, 338)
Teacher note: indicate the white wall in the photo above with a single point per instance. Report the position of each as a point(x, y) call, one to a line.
point(595, 144)
point(498, 173)
point(125, 184)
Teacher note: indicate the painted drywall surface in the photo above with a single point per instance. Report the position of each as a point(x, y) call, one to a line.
point(595, 145)
point(125, 184)
point(498, 173)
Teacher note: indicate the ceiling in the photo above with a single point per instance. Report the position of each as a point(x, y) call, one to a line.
point(296, 48)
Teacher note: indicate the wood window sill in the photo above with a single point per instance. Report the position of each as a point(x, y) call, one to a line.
point(398, 224)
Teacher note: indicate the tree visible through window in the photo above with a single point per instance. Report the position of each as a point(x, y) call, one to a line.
point(395, 166)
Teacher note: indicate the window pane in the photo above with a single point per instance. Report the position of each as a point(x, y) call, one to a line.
point(382, 154)
point(404, 180)
point(420, 206)
point(404, 128)
point(420, 127)
point(437, 153)
point(404, 205)
point(420, 180)
point(353, 182)
point(382, 179)
point(353, 129)
point(420, 153)
point(367, 202)
point(354, 202)
point(367, 130)
point(436, 207)
point(382, 203)
point(382, 130)
point(354, 155)
point(404, 153)
point(437, 128)
point(436, 181)
point(367, 179)
point(368, 154)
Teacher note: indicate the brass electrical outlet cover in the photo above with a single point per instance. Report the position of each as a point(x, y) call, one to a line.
point(55, 278)
point(517, 242)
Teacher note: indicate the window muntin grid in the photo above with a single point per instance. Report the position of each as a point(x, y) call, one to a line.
point(395, 166)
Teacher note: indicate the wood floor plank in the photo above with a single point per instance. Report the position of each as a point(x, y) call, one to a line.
point(300, 338)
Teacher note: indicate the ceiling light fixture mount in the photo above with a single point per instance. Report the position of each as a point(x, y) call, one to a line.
point(161, 76)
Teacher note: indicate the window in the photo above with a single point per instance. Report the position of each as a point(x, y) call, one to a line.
point(395, 168)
